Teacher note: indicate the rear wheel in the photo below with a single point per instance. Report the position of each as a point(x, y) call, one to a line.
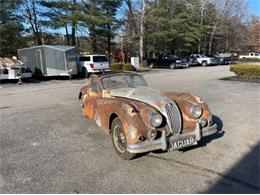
point(84, 73)
point(204, 63)
point(119, 140)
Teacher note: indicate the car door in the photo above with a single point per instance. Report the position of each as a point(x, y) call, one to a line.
point(160, 61)
point(94, 93)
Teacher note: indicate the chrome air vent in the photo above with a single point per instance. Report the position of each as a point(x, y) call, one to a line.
point(174, 118)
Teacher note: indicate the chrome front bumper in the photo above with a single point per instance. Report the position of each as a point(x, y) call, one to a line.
point(148, 146)
point(162, 143)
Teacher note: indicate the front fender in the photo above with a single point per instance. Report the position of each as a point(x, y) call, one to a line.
point(184, 101)
point(126, 111)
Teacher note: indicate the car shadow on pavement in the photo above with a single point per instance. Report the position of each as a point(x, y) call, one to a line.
point(206, 140)
point(243, 177)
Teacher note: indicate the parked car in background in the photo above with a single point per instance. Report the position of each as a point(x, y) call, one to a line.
point(250, 55)
point(222, 60)
point(199, 59)
point(167, 61)
point(142, 119)
point(92, 63)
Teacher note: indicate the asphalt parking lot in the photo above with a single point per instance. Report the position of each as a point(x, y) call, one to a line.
point(47, 146)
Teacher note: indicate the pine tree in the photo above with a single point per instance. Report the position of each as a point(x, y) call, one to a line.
point(63, 14)
point(10, 29)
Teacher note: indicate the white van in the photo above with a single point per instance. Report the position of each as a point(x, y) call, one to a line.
point(92, 64)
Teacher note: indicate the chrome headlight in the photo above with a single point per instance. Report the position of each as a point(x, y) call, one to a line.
point(196, 111)
point(155, 119)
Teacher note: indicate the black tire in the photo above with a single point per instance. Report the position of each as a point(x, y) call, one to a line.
point(82, 105)
point(119, 140)
point(151, 65)
point(84, 73)
point(204, 63)
point(172, 66)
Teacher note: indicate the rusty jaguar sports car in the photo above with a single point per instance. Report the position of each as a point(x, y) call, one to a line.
point(142, 119)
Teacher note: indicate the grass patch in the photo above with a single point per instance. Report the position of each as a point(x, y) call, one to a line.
point(246, 71)
point(122, 67)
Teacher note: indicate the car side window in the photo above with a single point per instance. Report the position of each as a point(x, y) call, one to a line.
point(94, 86)
point(197, 56)
point(84, 58)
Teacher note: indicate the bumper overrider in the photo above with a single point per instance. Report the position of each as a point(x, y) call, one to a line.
point(173, 142)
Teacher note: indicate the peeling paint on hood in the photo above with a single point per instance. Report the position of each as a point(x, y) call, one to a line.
point(148, 95)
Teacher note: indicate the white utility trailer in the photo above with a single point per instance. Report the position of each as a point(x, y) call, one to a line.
point(50, 60)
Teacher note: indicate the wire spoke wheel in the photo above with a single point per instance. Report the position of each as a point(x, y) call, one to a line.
point(119, 140)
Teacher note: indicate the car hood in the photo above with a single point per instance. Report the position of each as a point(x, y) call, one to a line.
point(148, 95)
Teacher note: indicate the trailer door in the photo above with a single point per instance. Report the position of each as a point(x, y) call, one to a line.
point(39, 65)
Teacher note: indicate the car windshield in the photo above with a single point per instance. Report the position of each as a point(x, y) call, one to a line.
point(100, 59)
point(122, 81)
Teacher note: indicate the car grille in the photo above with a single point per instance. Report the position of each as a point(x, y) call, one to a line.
point(174, 118)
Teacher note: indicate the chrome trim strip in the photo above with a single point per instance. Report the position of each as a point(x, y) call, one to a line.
point(162, 144)
point(148, 146)
point(209, 130)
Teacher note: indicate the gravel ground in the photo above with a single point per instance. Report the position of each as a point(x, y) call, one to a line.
point(47, 146)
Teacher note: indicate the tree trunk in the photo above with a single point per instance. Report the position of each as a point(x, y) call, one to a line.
point(131, 16)
point(36, 27)
point(67, 35)
point(108, 41)
point(202, 7)
point(93, 38)
point(73, 34)
point(73, 26)
point(212, 36)
point(141, 38)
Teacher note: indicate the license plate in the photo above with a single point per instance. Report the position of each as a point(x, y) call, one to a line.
point(182, 143)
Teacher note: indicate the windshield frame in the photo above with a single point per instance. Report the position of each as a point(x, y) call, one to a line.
point(124, 77)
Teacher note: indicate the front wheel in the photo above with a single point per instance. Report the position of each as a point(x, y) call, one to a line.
point(172, 66)
point(119, 140)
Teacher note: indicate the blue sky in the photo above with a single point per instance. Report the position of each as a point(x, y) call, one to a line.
point(254, 7)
